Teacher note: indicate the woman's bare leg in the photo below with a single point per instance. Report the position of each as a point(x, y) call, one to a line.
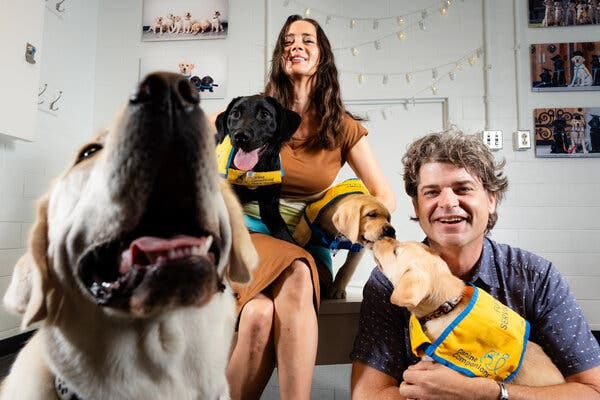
point(253, 358)
point(296, 332)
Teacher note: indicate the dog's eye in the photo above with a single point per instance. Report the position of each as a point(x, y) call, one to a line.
point(264, 114)
point(88, 151)
point(372, 214)
point(235, 114)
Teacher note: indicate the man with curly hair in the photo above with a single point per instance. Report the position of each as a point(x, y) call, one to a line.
point(455, 185)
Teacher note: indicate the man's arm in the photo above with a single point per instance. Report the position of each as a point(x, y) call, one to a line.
point(428, 380)
point(369, 383)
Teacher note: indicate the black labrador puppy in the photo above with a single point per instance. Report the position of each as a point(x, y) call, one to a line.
point(250, 133)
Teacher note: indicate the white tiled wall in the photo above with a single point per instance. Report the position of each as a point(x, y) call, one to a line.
point(93, 53)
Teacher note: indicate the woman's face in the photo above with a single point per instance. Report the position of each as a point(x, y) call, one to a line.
point(300, 49)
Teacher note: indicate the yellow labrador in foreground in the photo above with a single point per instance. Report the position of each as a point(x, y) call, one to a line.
point(441, 302)
point(127, 262)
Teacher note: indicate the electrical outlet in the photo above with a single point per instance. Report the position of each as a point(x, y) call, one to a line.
point(492, 139)
point(522, 140)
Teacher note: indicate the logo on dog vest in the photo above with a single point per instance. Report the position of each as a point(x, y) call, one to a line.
point(496, 353)
point(241, 177)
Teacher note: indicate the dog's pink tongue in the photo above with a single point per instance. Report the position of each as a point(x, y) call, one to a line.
point(149, 249)
point(246, 161)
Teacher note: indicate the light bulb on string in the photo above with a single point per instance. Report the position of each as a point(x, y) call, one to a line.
point(448, 3)
point(472, 60)
point(434, 89)
point(459, 66)
point(307, 12)
point(354, 51)
point(400, 20)
point(352, 23)
point(444, 11)
point(361, 79)
point(422, 25)
point(401, 35)
point(408, 77)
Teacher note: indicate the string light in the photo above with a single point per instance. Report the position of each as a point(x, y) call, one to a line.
point(401, 35)
point(459, 66)
point(400, 20)
point(361, 79)
point(444, 11)
point(354, 51)
point(422, 25)
point(408, 77)
point(434, 89)
point(352, 23)
point(307, 12)
point(472, 60)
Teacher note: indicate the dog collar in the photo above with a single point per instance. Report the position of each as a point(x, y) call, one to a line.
point(339, 242)
point(239, 177)
point(445, 308)
point(502, 339)
point(62, 390)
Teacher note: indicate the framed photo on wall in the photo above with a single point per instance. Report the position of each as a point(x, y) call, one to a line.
point(557, 67)
point(557, 13)
point(205, 71)
point(567, 132)
point(184, 19)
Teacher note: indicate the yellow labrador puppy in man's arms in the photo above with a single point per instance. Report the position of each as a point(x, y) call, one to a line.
point(128, 263)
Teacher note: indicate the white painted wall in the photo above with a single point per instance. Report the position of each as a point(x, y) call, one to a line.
point(551, 208)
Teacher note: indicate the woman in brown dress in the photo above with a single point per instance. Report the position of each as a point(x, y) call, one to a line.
point(278, 317)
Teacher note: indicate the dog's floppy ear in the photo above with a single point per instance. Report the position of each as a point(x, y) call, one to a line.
point(221, 121)
point(411, 288)
point(288, 121)
point(243, 257)
point(29, 291)
point(346, 220)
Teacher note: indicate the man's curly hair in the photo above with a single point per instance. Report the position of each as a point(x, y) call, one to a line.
point(461, 150)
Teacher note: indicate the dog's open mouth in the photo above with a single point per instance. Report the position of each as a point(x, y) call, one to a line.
point(247, 160)
point(151, 271)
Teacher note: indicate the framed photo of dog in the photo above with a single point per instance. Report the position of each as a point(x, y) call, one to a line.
point(567, 132)
point(205, 71)
point(557, 67)
point(556, 13)
point(184, 19)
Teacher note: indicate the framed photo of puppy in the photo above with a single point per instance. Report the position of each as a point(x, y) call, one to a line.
point(205, 71)
point(558, 67)
point(556, 13)
point(184, 19)
point(567, 132)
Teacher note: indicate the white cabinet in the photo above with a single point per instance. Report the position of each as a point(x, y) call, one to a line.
point(21, 22)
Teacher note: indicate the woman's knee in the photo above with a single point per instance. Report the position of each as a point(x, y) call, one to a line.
point(256, 319)
point(295, 283)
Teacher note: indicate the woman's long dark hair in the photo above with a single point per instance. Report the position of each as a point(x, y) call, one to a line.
point(325, 97)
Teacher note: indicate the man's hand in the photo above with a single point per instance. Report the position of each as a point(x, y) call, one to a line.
point(429, 380)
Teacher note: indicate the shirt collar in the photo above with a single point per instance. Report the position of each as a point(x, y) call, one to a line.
point(484, 270)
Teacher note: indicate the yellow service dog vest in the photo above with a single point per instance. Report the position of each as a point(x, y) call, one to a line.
point(240, 177)
point(487, 339)
point(349, 186)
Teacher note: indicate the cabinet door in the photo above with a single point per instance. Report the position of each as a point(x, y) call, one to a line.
point(21, 22)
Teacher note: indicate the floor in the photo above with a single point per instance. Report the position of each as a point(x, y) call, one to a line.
point(330, 382)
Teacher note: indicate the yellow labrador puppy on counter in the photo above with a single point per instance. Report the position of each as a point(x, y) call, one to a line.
point(446, 311)
point(129, 260)
point(347, 217)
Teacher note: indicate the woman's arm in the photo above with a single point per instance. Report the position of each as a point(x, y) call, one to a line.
point(364, 164)
point(369, 383)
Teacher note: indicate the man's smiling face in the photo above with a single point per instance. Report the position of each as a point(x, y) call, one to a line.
point(452, 206)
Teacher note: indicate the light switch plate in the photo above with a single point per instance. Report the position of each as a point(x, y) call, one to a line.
point(492, 139)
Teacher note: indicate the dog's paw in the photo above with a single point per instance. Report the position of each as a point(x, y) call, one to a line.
point(336, 293)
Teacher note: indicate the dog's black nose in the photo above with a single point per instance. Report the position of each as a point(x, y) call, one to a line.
point(389, 231)
point(240, 138)
point(157, 86)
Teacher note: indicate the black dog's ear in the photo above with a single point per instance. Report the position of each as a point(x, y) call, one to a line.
point(287, 120)
point(221, 121)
